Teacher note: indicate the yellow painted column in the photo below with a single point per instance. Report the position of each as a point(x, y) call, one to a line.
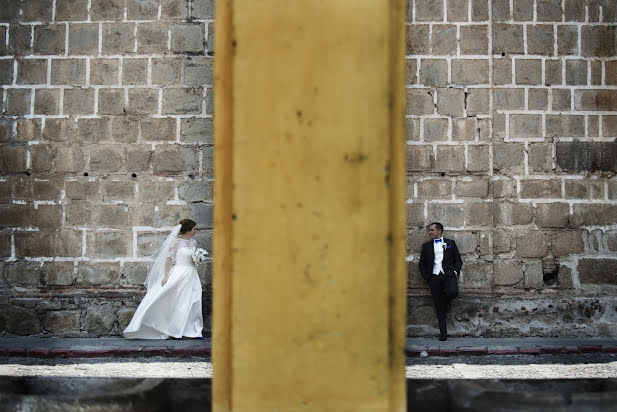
point(309, 238)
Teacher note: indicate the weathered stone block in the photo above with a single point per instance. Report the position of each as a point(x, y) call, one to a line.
point(453, 214)
point(509, 99)
point(198, 130)
point(142, 10)
point(100, 319)
point(174, 159)
point(47, 216)
point(6, 131)
point(78, 101)
point(534, 277)
point(574, 10)
point(451, 102)
point(565, 126)
point(576, 72)
point(19, 39)
point(21, 321)
point(182, 101)
point(118, 191)
point(599, 40)
point(410, 71)
point(83, 39)
point(119, 38)
point(502, 241)
point(611, 241)
point(92, 130)
point(134, 71)
point(577, 189)
point(83, 190)
point(143, 101)
point(158, 129)
point(104, 71)
point(158, 192)
point(134, 274)
point(477, 101)
point(476, 274)
point(610, 68)
point(138, 158)
point(537, 99)
point(540, 188)
point(41, 156)
point(598, 99)
point(196, 191)
point(528, 71)
point(552, 72)
point(567, 40)
point(449, 159)
point(472, 188)
point(62, 321)
point(561, 99)
point(417, 39)
point(508, 156)
point(112, 101)
point(540, 39)
point(548, 10)
point(6, 71)
point(597, 271)
point(579, 156)
point(166, 71)
point(420, 102)
point(415, 215)
point(435, 129)
point(434, 72)
point(58, 273)
point(18, 102)
point(111, 216)
point(15, 215)
point(435, 189)
point(29, 71)
point(203, 9)
point(188, 38)
point(525, 125)
point(501, 10)
point(78, 214)
point(464, 129)
point(108, 244)
point(5, 244)
point(479, 10)
point(443, 40)
point(419, 158)
point(596, 72)
point(68, 72)
point(105, 159)
point(478, 158)
point(71, 10)
point(565, 243)
point(125, 129)
point(22, 274)
point(507, 272)
point(429, 10)
point(470, 71)
point(61, 243)
point(152, 37)
point(49, 39)
point(508, 38)
point(586, 214)
point(593, 126)
point(37, 10)
point(512, 213)
point(105, 10)
point(474, 39)
point(523, 10)
point(540, 157)
point(533, 244)
point(479, 214)
point(12, 159)
point(554, 215)
point(201, 213)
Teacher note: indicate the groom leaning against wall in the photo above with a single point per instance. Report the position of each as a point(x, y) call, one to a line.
point(440, 265)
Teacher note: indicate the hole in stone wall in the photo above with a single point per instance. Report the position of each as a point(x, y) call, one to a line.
point(134, 175)
point(550, 270)
point(86, 174)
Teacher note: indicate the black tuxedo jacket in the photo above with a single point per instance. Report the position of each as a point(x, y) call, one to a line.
point(451, 259)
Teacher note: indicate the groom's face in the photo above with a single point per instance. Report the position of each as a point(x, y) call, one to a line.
point(433, 232)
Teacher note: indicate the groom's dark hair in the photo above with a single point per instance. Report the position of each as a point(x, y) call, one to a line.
point(187, 225)
point(438, 226)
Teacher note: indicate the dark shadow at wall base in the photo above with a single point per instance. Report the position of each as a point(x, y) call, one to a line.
point(128, 394)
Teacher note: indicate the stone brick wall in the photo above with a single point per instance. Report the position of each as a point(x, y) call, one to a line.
point(106, 141)
point(512, 126)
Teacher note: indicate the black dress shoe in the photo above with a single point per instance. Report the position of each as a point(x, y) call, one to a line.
point(443, 337)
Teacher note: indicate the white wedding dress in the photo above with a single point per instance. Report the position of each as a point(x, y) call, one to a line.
point(172, 310)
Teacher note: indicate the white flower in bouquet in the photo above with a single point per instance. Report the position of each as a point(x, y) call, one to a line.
point(200, 255)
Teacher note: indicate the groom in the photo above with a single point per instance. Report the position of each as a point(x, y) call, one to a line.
point(440, 264)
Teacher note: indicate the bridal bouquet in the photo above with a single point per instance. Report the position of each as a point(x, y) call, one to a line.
point(200, 255)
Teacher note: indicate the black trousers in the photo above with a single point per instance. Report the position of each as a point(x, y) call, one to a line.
point(444, 288)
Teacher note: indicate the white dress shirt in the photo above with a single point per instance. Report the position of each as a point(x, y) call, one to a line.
point(437, 263)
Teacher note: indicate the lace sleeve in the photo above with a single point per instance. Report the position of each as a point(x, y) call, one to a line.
point(173, 249)
point(192, 243)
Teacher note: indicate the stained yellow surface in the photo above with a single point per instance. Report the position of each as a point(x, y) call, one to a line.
point(309, 279)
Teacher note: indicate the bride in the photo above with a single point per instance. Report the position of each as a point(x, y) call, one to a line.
point(172, 305)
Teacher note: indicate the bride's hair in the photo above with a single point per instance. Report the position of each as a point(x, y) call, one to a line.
point(187, 226)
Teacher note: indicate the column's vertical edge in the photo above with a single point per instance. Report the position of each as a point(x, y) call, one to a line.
point(397, 275)
point(223, 179)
